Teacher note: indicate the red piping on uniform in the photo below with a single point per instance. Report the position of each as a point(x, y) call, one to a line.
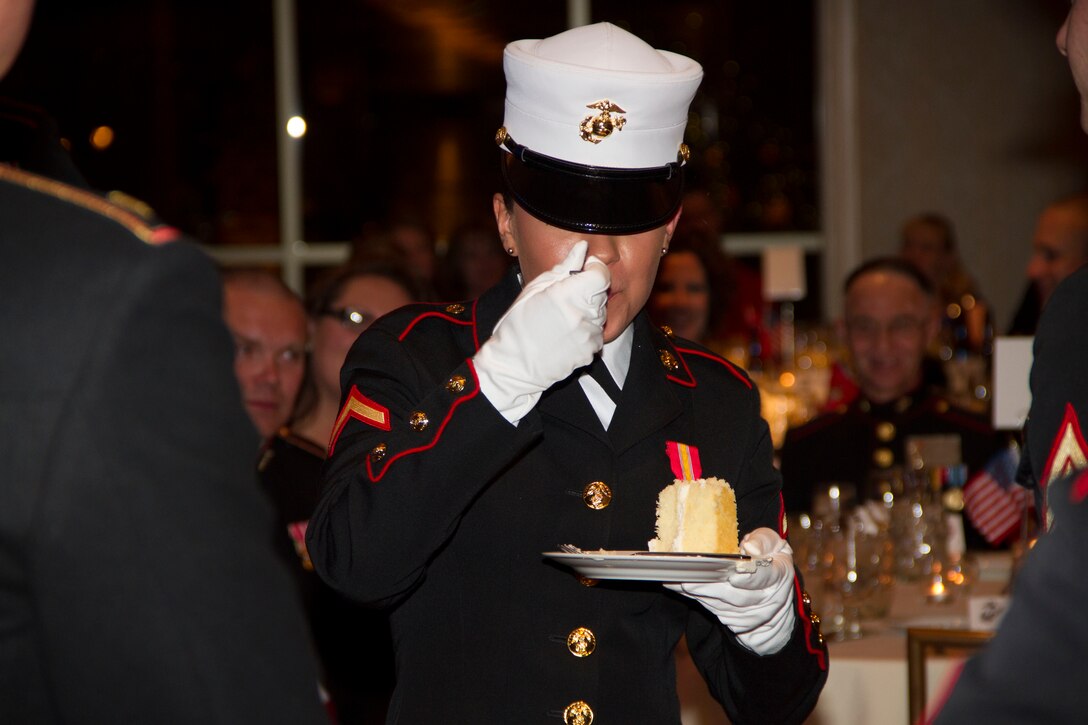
point(950, 684)
point(690, 382)
point(717, 359)
point(821, 656)
point(475, 327)
point(444, 316)
point(1080, 489)
point(781, 515)
point(438, 433)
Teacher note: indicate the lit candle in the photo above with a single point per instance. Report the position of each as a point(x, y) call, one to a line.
point(937, 592)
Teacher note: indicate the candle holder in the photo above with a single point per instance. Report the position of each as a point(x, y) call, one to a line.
point(937, 589)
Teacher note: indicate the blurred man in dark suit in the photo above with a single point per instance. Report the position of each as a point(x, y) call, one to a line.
point(136, 581)
point(1032, 671)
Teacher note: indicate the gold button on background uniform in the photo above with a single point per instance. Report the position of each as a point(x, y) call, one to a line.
point(883, 457)
point(885, 431)
point(597, 495)
point(953, 498)
point(455, 309)
point(419, 421)
point(581, 642)
point(578, 713)
point(456, 384)
point(377, 453)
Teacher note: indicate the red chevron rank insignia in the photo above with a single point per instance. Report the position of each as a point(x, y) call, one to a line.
point(362, 408)
point(1068, 454)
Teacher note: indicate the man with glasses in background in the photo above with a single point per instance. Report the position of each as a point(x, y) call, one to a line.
point(890, 318)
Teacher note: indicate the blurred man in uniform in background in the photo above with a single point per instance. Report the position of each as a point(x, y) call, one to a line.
point(136, 579)
point(890, 319)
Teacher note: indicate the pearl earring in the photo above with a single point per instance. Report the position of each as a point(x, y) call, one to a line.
point(510, 251)
point(664, 250)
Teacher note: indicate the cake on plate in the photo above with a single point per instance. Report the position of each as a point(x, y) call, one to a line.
point(697, 516)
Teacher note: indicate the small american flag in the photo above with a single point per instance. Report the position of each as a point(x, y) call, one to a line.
point(994, 503)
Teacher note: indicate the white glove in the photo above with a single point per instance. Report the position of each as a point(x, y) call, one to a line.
point(554, 327)
point(756, 599)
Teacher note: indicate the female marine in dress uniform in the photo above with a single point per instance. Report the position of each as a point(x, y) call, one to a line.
point(473, 437)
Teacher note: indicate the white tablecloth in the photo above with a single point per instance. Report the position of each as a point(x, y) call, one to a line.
point(867, 680)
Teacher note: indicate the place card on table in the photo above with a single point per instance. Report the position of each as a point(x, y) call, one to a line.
point(986, 612)
point(1011, 390)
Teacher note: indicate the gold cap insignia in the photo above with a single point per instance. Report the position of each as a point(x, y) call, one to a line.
point(596, 128)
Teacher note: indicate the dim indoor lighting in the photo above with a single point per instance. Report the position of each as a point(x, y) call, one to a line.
point(102, 137)
point(296, 127)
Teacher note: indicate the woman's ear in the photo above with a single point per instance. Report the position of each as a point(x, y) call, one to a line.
point(670, 229)
point(504, 221)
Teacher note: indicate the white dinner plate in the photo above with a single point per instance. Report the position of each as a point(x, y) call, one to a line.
point(649, 565)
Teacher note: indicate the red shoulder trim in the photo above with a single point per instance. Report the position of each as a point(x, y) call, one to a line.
point(433, 313)
point(716, 358)
point(374, 478)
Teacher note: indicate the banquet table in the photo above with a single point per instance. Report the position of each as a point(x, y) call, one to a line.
point(867, 679)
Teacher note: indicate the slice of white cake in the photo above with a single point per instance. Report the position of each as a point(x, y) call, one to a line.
point(697, 516)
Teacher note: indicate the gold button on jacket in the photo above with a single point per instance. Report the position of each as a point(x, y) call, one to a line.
point(581, 642)
point(597, 495)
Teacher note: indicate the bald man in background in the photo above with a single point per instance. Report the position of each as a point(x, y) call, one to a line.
point(1059, 247)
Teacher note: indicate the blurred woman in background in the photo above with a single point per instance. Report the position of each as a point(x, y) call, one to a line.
point(341, 306)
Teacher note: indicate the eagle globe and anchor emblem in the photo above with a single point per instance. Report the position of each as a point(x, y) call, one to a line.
point(596, 128)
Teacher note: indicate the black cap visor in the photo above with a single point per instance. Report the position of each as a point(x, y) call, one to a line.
point(591, 199)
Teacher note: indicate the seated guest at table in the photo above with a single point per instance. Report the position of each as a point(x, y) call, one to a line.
point(740, 297)
point(693, 288)
point(890, 318)
point(268, 323)
point(1059, 247)
point(928, 241)
point(353, 642)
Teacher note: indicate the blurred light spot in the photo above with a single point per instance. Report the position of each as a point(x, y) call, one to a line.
point(296, 127)
point(102, 137)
